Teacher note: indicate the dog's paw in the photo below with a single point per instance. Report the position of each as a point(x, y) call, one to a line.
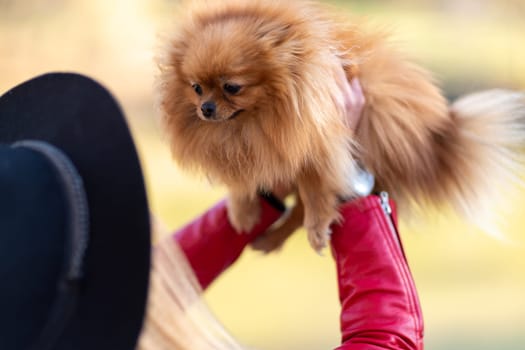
point(268, 242)
point(318, 236)
point(243, 213)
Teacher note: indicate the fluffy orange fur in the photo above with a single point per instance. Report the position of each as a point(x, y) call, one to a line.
point(286, 124)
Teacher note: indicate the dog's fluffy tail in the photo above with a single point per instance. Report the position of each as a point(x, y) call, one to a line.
point(485, 155)
point(470, 160)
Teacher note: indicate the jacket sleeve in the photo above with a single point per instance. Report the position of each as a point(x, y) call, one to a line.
point(211, 244)
point(380, 308)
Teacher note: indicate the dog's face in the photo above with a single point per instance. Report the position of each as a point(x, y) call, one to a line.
point(224, 74)
point(221, 82)
point(222, 97)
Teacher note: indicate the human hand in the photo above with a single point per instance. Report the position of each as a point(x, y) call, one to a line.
point(353, 99)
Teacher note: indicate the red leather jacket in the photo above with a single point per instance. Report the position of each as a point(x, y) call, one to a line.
point(380, 306)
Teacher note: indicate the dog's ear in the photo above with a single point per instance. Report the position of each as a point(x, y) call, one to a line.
point(176, 51)
point(274, 34)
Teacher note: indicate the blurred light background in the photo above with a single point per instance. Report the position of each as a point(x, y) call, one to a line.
point(472, 287)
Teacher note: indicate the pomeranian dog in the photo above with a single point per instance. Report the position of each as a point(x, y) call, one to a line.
point(249, 96)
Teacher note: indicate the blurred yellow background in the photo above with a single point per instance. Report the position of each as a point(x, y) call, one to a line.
point(472, 287)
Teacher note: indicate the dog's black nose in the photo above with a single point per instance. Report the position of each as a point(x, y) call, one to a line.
point(208, 109)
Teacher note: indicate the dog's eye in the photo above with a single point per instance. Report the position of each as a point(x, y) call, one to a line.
point(232, 88)
point(197, 88)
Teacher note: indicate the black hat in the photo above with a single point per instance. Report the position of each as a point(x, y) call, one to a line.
point(74, 220)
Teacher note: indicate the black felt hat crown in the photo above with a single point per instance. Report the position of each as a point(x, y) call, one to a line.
point(74, 219)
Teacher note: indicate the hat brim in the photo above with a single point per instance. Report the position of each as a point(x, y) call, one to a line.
point(81, 118)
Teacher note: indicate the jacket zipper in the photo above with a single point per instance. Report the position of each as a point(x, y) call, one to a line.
point(387, 211)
